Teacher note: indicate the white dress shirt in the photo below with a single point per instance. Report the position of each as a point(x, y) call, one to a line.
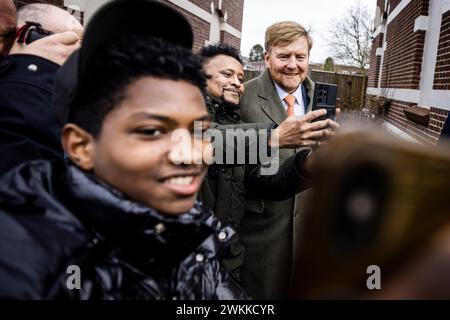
point(299, 108)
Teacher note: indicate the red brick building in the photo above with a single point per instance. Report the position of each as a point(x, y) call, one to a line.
point(410, 64)
point(212, 20)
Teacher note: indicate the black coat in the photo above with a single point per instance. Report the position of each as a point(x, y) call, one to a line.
point(53, 216)
point(29, 128)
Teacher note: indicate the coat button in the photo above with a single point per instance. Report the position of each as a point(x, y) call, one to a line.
point(222, 236)
point(199, 257)
point(160, 228)
point(32, 68)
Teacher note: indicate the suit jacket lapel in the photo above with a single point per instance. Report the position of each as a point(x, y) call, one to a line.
point(309, 86)
point(272, 106)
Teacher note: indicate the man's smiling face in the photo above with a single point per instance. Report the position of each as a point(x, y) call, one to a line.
point(288, 64)
point(225, 79)
point(135, 151)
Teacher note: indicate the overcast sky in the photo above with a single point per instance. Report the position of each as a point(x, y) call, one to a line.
point(313, 14)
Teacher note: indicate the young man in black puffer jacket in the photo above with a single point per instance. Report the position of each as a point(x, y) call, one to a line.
point(119, 219)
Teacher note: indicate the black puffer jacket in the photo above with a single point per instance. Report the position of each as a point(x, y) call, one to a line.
point(53, 215)
point(29, 129)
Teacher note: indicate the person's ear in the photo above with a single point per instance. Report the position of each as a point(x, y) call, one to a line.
point(78, 144)
point(266, 58)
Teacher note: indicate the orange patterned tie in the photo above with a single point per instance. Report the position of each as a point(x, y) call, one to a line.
point(290, 101)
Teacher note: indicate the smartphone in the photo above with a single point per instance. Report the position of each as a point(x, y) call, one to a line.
point(31, 32)
point(36, 34)
point(325, 97)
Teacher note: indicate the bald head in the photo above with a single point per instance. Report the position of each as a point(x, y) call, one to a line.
point(50, 17)
point(7, 25)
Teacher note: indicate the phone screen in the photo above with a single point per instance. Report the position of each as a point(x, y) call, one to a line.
point(325, 97)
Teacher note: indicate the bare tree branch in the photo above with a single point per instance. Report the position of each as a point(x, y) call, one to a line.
point(350, 38)
point(256, 53)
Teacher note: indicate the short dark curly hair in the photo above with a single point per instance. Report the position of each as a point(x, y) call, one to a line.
point(122, 62)
point(213, 50)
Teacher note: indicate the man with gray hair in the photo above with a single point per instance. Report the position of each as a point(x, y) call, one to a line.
point(29, 128)
point(55, 20)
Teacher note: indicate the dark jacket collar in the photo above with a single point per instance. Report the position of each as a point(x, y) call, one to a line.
point(221, 112)
point(108, 215)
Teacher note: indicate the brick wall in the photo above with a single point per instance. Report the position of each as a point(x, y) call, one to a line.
point(426, 134)
point(437, 120)
point(374, 71)
point(227, 38)
point(199, 26)
point(235, 10)
point(204, 4)
point(402, 66)
point(375, 62)
point(403, 56)
point(395, 3)
point(380, 4)
point(442, 73)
